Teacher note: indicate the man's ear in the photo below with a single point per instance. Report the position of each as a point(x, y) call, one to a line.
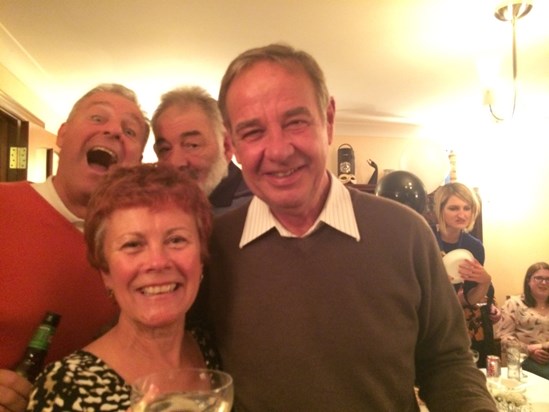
point(61, 135)
point(234, 151)
point(107, 280)
point(330, 119)
point(228, 149)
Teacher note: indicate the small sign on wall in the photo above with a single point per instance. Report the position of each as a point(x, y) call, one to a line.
point(346, 164)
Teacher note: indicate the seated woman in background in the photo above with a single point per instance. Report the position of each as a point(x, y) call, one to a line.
point(525, 319)
point(147, 231)
point(456, 209)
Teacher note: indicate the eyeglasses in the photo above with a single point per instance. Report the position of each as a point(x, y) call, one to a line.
point(541, 279)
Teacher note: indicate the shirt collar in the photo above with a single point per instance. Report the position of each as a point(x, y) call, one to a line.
point(48, 192)
point(337, 212)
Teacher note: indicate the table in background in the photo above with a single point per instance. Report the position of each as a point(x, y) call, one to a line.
point(537, 391)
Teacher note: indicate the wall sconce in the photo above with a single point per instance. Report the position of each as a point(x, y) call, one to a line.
point(509, 11)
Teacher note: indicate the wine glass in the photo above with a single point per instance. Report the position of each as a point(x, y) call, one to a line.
point(514, 354)
point(190, 390)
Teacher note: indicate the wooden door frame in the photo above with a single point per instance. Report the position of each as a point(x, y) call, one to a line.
point(15, 136)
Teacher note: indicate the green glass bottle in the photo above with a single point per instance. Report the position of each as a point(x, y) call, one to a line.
point(33, 360)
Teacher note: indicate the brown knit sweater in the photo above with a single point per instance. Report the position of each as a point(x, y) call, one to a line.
point(326, 323)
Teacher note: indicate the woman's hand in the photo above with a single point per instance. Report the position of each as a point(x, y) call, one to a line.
point(14, 391)
point(538, 353)
point(473, 271)
point(540, 356)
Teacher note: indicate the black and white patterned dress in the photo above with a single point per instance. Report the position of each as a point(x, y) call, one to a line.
point(83, 382)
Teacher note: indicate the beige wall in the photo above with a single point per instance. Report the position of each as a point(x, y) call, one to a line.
point(18, 91)
point(515, 216)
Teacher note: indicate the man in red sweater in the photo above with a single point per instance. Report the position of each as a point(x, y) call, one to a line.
point(43, 265)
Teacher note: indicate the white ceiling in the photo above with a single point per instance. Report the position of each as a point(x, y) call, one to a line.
point(390, 64)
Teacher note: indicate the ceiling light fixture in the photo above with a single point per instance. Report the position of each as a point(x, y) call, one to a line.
point(511, 11)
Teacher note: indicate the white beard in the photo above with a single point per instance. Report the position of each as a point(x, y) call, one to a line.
point(218, 171)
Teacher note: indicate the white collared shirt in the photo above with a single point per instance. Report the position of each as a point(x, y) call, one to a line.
point(337, 212)
point(48, 192)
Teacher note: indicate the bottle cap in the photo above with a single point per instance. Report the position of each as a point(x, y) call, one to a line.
point(52, 318)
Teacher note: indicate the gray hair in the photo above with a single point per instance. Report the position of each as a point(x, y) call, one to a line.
point(186, 96)
point(278, 53)
point(113, 88)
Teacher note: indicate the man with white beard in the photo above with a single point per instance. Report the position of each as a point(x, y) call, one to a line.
point(189, 134)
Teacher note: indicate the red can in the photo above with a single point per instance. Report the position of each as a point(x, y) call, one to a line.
point(493, 366)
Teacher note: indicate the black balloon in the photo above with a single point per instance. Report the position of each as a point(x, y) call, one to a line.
point(405, 188)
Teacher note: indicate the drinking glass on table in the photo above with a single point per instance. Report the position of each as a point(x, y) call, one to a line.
point(513, 352)
point(189, 390)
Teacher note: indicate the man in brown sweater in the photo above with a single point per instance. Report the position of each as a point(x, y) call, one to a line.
point(324, 298)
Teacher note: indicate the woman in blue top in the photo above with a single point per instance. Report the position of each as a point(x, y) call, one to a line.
point(456, 209)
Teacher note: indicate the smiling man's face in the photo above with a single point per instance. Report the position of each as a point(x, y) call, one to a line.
point(281, 137)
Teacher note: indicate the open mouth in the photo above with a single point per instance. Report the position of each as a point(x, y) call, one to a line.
point(158, 290)
point(101, 157)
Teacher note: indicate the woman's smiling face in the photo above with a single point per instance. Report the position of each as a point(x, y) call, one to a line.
point(154, 263)
point(539, 284)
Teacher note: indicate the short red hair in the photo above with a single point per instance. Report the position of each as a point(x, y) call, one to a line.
point(145, 185)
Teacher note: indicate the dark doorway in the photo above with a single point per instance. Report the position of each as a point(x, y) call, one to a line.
point(14, 138)
point(14, 143)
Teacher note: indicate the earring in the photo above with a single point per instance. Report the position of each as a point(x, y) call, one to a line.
point(110, 293)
